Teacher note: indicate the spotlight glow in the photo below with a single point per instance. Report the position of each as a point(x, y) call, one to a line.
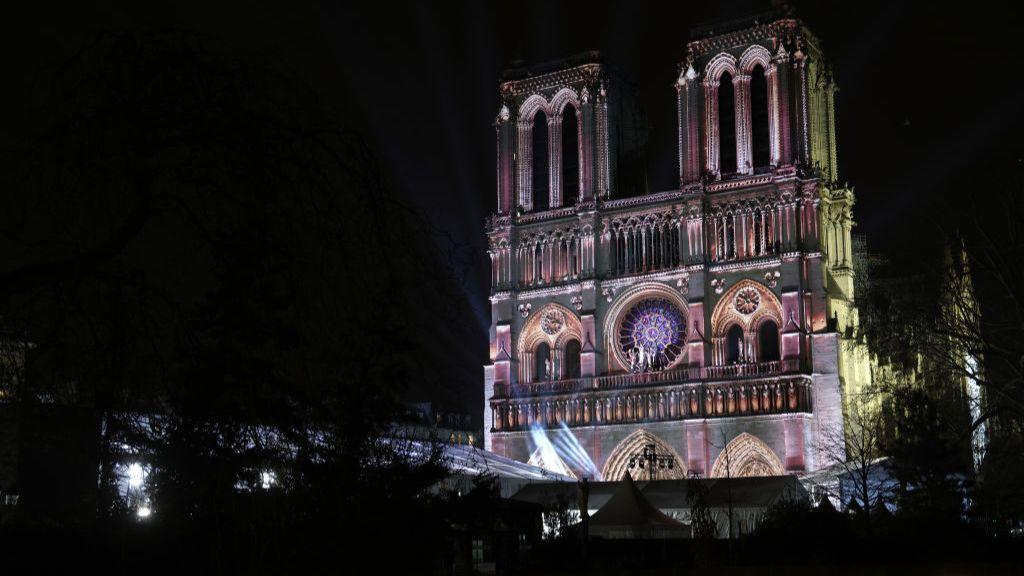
point(136, 475)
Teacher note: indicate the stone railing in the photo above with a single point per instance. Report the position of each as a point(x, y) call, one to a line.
point(773, 367)
point(644, 379)
point(749, 397)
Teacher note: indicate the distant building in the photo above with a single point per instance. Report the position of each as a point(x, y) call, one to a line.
point(713, 320)
point(426, 422)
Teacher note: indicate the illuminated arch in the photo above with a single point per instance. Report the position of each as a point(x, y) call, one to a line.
point(554, 325)
point(726, 314)
point(625, 301)
point(753, 56)
point(618, 461)
point(561, 99)
point(534, 333)
point(747, 456)
point(721, 63)
point(531, 106)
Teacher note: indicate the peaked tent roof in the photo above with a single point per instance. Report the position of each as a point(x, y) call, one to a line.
point(629, 508)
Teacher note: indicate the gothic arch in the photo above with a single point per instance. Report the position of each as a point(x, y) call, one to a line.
point(560, 99)
point(721, 63)
point(559, 175)
point(747, 304)
point(753, 56)
point(531, 106)
point(552, 324)
point(622, 305)
point(726, 312)
point(618, 461)
point(747, 455)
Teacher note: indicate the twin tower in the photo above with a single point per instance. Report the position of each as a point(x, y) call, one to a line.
point(711, 321)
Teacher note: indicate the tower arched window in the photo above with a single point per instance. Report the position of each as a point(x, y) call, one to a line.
point(759, 117)
point(768, 341)
point(540, 162)
point(570, 157)
point(572, 359)
point(542, 362)
point(734, 344)
point(726, 125)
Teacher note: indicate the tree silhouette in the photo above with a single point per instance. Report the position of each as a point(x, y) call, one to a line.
point(211, 269)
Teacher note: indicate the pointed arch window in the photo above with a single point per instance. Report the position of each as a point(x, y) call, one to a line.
point(768, 341)
point(542, 362)
point(541, 200)
point(759, 118)
point(734, 344)
point(570, 157)
point(572, 359)
point(726, 124)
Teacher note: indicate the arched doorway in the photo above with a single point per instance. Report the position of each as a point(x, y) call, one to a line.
point(618, 461)
point(746, 456)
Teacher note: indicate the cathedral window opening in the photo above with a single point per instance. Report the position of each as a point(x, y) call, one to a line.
point(734, 343)
point(768, 341)
point(543, 367)
point(540, 163)
point(730, 237)
point(759, 118)
point(651, 335)
point(726, 125)
point(570, 157)
point(572, 359)
point(757, 234)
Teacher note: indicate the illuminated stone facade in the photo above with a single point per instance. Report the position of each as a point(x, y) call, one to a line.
point(707, 320)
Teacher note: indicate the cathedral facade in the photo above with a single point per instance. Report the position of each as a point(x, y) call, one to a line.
point(710, 321)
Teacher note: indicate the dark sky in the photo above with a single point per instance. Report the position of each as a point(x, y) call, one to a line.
point(928, 108)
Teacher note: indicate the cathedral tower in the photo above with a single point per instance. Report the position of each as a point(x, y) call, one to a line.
point(708, 320)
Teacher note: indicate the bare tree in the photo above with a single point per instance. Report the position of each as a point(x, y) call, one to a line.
point(855, 452)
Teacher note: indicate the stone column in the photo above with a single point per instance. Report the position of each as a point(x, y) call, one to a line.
point(783, 106)
point(744, 147)
point(555, 161)
point(524, 135)
point(587, 129)
point(505, 133)
point(711, 127)
point(687, 94)
point(601, 147)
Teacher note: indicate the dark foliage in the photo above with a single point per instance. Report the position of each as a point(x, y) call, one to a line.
point(211, 270)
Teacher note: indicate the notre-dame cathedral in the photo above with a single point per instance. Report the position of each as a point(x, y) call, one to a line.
point(712, 321)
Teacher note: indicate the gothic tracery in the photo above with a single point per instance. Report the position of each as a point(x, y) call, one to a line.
point(745, 456)
point(618, 461)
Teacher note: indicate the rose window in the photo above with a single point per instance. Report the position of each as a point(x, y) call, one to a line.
point(651, 334)
point(747, 301)
point(552, 321)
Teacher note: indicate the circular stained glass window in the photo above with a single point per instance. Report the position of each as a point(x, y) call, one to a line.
point(651, 334)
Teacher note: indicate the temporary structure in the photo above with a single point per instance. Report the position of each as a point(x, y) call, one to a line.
point(628, 514)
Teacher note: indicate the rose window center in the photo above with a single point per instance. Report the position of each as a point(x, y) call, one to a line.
point(651, 334)
point(747, 301)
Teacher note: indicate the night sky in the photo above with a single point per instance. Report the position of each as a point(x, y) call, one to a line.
point(928, 108)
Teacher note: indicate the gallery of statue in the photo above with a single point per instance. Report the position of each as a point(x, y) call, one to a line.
point(709, 320)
